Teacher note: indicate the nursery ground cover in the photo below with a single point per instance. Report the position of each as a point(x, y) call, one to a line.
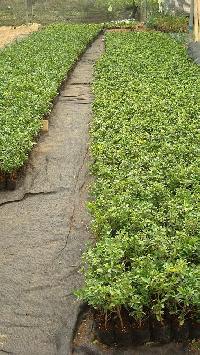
point(31, 72)
point(169, 23)
point(146, 196)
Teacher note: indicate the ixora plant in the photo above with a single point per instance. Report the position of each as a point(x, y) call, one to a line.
point(144, 268)
point(31, 72)
point(168, 23)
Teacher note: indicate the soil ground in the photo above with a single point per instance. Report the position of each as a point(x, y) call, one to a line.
point(11, 33)
point(44, 228)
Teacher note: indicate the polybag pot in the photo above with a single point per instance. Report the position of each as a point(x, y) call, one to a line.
point(2, 182)
point(123, 330)
point(123, 336)
point(160, 332)
point(104, 329)
point(180, 333)
point(11, 182)
point(141, 333)
point(194, 330)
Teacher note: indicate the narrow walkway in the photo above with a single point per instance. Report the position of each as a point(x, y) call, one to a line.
point(44, 228)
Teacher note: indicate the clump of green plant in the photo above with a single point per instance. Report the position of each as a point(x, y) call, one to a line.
point(31, 72)
point(168, 23)
point(146, 195)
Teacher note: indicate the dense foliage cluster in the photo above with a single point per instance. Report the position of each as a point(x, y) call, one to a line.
point(146, 196)
point(49, 11)
point(169, 23)
point(30, 74)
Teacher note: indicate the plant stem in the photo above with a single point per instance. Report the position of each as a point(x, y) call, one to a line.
point(120, 317)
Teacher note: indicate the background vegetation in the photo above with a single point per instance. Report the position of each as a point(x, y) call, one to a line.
point(14, 12)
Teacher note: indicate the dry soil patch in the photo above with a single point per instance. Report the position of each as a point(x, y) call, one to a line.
point(10, 33)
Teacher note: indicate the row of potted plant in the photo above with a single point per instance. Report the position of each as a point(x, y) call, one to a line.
point(121, 328)
point(8, 181)
point(169, 23)
point(145, 199)
point(31, 73)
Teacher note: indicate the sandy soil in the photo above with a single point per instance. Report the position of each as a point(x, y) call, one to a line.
point(10, 33)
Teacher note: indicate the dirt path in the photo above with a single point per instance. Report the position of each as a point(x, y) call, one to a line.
point(10, 33)
point(45, 229)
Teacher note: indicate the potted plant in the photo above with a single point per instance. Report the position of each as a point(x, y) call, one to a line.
point(104, 327)
point(11, 181)
point(123, 330)
point(2, 181)
point(160, 325)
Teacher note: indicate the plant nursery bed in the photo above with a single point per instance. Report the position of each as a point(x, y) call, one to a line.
point(143, 273)
point(169, 23)
point(89, 338)
point(35, 71)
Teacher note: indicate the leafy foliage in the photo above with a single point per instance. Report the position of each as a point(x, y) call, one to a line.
point(31, 73)
point(49, 11)
point(146, 196)
point(169, 23)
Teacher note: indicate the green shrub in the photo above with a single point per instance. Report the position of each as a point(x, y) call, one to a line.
point(146, 196)
point(31, 72)
point(168, 23)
